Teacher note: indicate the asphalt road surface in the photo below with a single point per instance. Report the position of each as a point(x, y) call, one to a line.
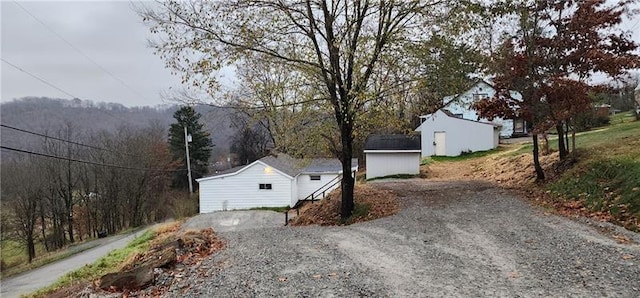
point(44, 276)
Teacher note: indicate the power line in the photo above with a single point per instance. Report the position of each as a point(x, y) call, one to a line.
point(37, 78)
point(54, 86)
point(85, 161)
point(122, 82)
point(63, 140)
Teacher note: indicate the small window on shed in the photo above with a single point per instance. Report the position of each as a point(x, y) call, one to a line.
point(265, 186)
point(315, 177)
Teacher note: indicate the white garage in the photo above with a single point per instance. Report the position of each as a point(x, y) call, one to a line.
point(444, 134)
point(388, 155)
point(272, 181)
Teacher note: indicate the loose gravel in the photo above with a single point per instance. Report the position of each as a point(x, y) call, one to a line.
point(449, 239)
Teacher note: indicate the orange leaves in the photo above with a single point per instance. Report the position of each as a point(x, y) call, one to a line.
point(622, 239)
point(372, 202)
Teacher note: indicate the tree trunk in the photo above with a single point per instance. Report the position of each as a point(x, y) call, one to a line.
point(43, 229)
point(545, 144)
point(566, 136)
point(573, 139)
point(69, 194)
point(562, 147)
point(31, 247)
point(348, 181)
point(536, 159)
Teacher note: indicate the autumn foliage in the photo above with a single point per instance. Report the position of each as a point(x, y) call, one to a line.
point(551, 61)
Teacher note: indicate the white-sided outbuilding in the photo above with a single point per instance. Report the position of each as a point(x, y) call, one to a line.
point(388, 155)
point(272, 181)
point(444, 134)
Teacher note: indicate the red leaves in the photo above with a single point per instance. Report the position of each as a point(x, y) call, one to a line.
point(554, 55)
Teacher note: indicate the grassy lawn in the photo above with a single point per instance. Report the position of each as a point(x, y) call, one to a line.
point(276, 209)
point(109, 263)
point(596, 137)
point(15, 259)
point(472, 155)
point(622, 117)
point(396, 176)
point(607, 175)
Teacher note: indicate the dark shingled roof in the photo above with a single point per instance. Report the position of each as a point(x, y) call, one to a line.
point(392, 142)
point(285, 163)
point(323, 165)
point(294, 166)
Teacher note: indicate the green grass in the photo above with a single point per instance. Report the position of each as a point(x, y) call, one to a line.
point(15, 259)
point(607, 175)
point(109, 263)
point(609, 184)
point(276, 209)
point(396, 176)
point(622, 117)
point(13, 254)
point(467, 156)
point(593, 138)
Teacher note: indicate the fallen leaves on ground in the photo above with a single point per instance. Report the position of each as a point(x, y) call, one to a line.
point(622, 239)
point(371, 203)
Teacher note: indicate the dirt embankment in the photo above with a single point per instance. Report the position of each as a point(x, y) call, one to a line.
point(504, 168)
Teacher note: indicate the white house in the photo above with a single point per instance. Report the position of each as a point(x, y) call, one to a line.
point(460, 106)
point(272, 181)
point(392, 155)
point(444, 134)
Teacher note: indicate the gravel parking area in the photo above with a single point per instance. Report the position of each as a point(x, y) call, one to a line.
point(449, 239)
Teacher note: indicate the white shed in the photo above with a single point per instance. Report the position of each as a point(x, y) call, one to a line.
point(272, 181)
point(388, 155)
point(444, 134)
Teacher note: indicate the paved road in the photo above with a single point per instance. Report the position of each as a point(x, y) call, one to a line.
point(39, 278)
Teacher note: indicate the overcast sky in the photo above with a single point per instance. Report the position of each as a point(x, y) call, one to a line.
point(110, 33)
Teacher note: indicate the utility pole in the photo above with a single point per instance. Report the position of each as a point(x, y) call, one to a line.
point(186, 148)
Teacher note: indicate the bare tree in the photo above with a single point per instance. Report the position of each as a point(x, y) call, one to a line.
point(337, 44)
point(22, 194)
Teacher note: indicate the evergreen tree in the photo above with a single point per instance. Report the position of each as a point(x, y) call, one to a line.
point(199, 147)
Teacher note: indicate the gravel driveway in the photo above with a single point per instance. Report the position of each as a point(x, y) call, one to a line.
point(449, 239)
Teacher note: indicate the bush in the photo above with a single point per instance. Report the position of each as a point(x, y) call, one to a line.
point(590, 119)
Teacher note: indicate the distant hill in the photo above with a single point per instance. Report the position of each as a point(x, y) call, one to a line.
point(48, 115)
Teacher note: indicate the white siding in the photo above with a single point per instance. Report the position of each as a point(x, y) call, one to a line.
point(461, 135)
point(462, 105)
point(240, 191)
point(392, 163)
point(306, 186)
